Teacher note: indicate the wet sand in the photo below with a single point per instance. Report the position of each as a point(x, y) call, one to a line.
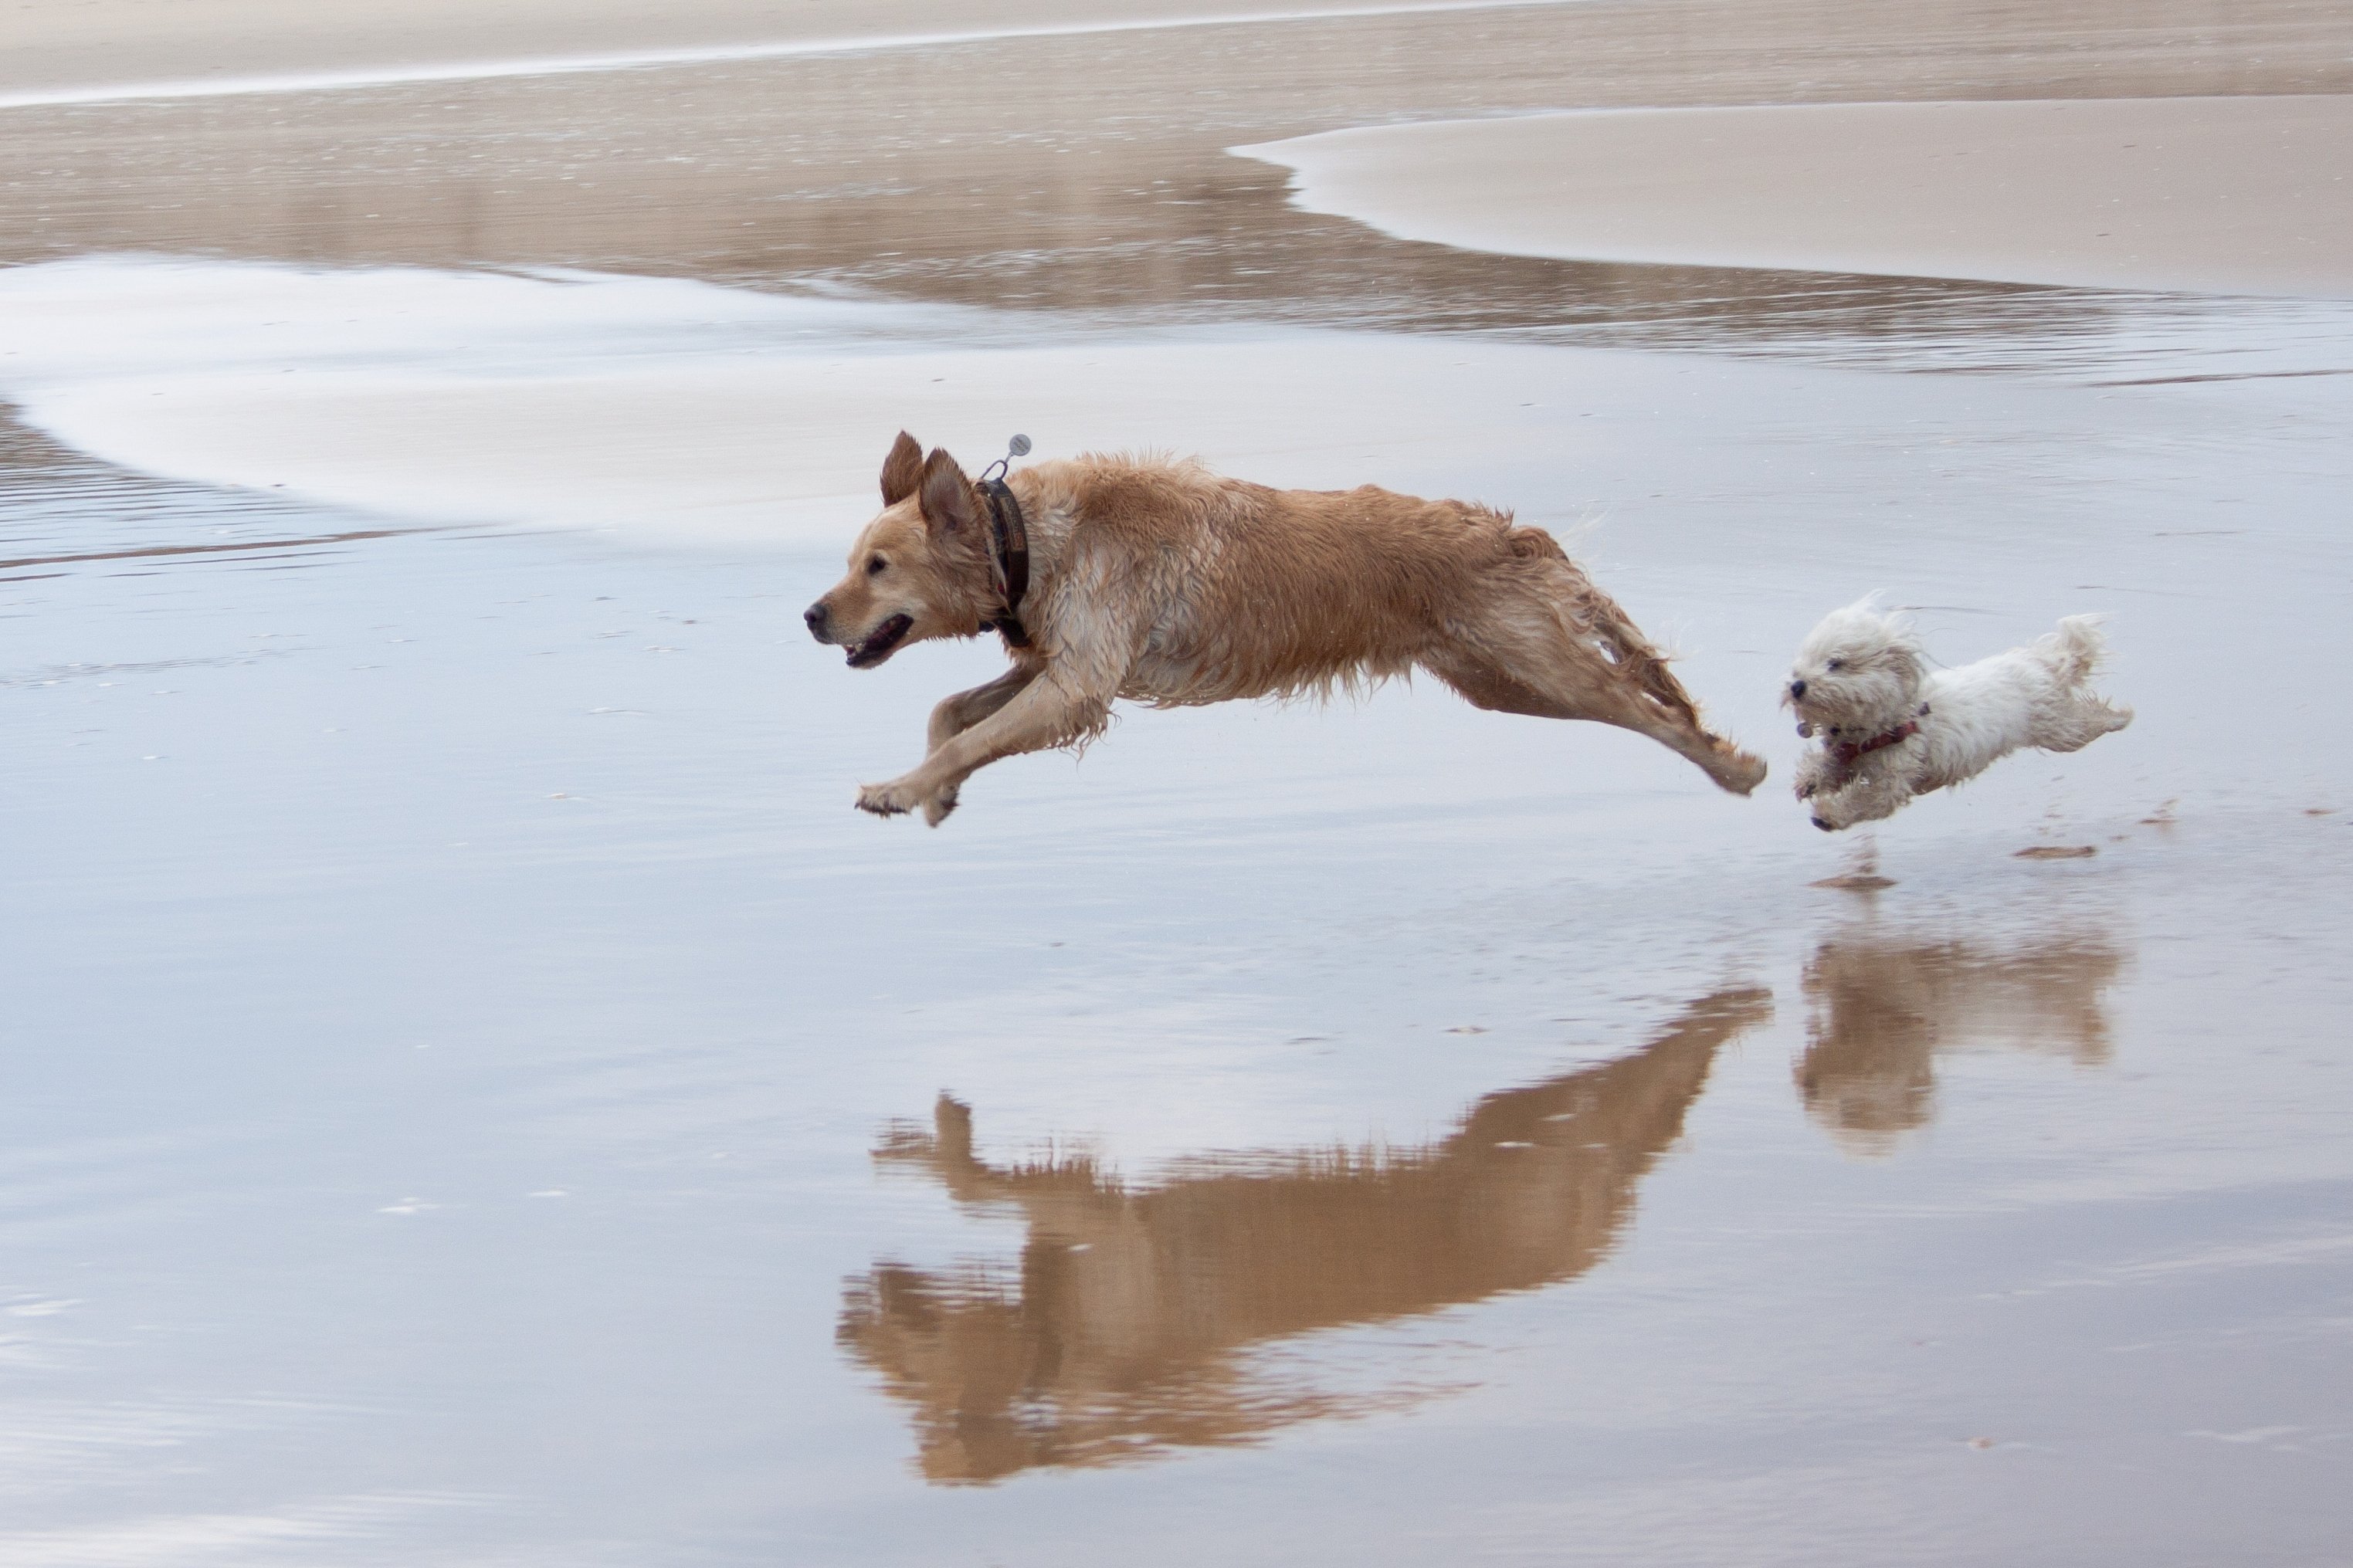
point(478, 1094)
point(126, 50)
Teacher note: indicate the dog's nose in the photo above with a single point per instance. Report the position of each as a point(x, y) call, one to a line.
point(1796, 689)
point(815, 616)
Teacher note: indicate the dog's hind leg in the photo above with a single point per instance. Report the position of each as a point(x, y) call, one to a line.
point(2075, 715)
point(1550, 644)
point(2082, 717)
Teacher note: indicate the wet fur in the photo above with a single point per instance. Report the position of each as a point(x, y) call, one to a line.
point(1162, 583)
point(1862, 674)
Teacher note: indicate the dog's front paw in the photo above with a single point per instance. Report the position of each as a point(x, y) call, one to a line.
point(936, 808)
point(894, 799)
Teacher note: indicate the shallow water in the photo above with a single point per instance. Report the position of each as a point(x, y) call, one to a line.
point(481, 1093)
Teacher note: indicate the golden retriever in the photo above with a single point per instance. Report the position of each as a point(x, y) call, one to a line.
point(1165, 584)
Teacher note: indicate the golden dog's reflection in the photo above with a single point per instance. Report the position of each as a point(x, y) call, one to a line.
point(1883, 1004)
point(1129, 1325)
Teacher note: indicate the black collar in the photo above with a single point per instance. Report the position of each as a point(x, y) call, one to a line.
point(1010, 559)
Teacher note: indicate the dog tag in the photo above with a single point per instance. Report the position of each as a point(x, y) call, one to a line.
point(1018, 446)
point(1805, 731)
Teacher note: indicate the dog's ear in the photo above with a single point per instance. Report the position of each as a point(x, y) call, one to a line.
point(903, 470)
point(946, 495)
point(1903, 656)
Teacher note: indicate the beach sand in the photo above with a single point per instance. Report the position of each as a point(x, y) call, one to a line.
point(478, 1094)
point(2212, 194)
point(119, 50)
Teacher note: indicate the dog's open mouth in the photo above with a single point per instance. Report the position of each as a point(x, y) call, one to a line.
point(879, 644)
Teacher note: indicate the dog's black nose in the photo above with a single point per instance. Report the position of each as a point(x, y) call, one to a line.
point(1796, 689)
point(815, 616)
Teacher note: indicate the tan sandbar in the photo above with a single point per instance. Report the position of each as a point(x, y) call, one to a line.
point(2230, 195)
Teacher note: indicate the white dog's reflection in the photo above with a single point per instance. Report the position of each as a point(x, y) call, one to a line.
point(1883, 1004)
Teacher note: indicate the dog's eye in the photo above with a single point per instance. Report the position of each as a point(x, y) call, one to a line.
point(1835, 664)
point(875, 564)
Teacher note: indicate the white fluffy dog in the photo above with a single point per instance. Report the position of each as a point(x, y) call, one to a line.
point(1891, 729)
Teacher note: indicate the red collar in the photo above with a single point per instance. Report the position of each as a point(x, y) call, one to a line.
point(1846, 753)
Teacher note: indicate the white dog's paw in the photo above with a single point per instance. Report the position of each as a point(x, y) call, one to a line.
point(936, 808)
point(894, 799)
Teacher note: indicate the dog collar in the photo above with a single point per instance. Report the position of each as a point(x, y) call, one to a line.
point(1846, 753)
point(1010, 558)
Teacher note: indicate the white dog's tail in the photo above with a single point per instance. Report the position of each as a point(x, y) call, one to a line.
point(2074, 651)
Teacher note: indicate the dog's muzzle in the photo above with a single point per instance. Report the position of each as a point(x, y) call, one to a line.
point(815, 618)
point(1796, 689)
point(880, 642)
